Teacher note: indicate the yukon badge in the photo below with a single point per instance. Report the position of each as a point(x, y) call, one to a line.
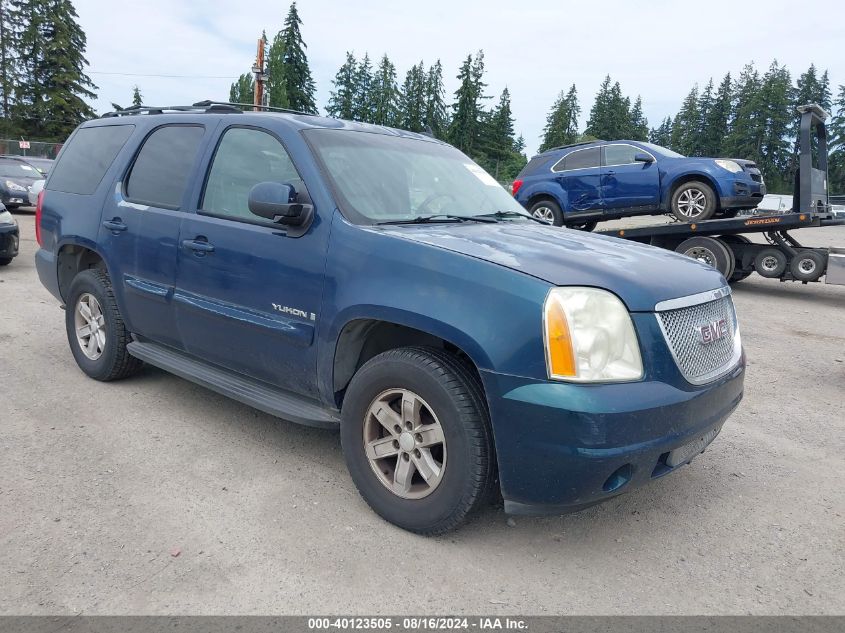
point(712, 332)
point(294, 312)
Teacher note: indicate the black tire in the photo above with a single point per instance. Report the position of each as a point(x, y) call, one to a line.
point(770, 263)
point(807, 266)
point(711, 251)
point(583, 226)
point(730, 213)
point(455, 396)
point(5, 261)
point(737, 275)
point(547, 209)
point(697, 191)
point(114, 362)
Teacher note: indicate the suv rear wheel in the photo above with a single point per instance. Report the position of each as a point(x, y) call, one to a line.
point(548, 210)
point(694, 202)
point(95, 329)
point(416, 439)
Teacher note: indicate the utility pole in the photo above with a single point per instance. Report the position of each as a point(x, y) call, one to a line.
point(260, 97)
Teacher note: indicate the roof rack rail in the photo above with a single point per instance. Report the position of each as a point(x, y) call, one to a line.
point(207, 106)
point(595, 140)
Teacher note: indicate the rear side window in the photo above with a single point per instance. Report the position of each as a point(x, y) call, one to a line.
point(161, 170)
point(580, 159)
point(87, 158)
point(533, 165)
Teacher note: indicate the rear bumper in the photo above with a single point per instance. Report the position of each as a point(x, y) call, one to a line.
point(48, 272)
point(562, 447)
point(9, 241)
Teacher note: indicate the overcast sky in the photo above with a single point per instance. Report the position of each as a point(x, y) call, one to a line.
point(655, 48)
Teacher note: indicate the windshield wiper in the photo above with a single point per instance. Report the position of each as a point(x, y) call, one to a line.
point(440, 217)
point(501, 215)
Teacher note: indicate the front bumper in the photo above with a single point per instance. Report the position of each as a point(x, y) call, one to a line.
point(562, 447)
point(744, 193)
point(9, 240)
point(14, 198)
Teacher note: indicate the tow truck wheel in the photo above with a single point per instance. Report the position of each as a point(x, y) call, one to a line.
point(770, 263)
point(807, 266)
point(710, 251)
point(737, 275)
point(694, 202)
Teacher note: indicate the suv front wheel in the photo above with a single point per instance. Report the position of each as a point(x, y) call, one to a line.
point(694, 202)
point(95, 329)
point(416, 439)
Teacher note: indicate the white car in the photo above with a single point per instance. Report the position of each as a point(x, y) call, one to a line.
point(34, 190)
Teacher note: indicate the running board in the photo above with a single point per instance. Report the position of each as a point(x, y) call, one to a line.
point(255, 393)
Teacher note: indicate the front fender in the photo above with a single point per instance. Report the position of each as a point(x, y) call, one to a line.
point(707, 175)
point(492, 313)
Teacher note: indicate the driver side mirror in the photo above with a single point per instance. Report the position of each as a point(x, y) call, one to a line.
point(277, 202)
point(642, 157)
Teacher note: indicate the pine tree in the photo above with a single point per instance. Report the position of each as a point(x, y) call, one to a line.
point(747, 126)
point(685, 126)
point(836, 145)
point(291, 84)
point(610, 116)
point(775, 101)
point(137, 98)
point(343, 100)
point(639, 124)
point(715, 121)
point(498, 146)
point(412, 100)
point(364, 97)
point(385, 94)
point(562, 121)
point(50, 96)
point(277, 91)
point(9, 72)
point(662, 135)
point(436, 116)
point(706, 101)
point(243, 91)
point(465, 126)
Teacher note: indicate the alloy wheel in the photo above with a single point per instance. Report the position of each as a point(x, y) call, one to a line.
point(544, 213)
point(405, 444)
point(90, 325)
point(692, 202)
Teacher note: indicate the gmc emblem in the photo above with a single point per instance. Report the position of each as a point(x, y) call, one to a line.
point(711, 332)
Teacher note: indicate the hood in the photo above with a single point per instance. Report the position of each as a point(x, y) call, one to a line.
point(640, 275)
point(23, 182)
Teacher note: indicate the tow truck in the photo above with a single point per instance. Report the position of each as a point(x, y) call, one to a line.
point(723, 244)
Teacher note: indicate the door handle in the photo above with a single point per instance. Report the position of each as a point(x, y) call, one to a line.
point(115, 225)
point(610, 173)
point(199, 246)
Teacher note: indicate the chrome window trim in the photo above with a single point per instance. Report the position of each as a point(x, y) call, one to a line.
point(639, 149)
point(692, 300)
point(565, 156)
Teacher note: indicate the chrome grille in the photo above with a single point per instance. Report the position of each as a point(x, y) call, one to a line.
point(698, 361)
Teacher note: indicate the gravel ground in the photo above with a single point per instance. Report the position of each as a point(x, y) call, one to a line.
point(155, 496)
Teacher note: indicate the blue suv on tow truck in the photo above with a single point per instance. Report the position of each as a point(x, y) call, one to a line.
point(378, 281)
point(582, 184)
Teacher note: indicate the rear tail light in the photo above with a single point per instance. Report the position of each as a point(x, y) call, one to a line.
point(38, 217)
point(516, 185)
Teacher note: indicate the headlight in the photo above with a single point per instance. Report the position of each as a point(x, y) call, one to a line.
point(730, 165)
point(6, 218)
point(589, 337)
point(13, 186)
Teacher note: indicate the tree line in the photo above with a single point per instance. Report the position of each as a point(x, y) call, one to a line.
point(753, 116)
point(45, 93)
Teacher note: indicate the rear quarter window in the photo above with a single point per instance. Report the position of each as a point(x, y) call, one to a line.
point(87, 157)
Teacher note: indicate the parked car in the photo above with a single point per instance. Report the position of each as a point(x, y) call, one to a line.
point(378, 281)
point(34, 190)
point(582, 184)
point(16, 177)
point(43, 165)
point(9, 237)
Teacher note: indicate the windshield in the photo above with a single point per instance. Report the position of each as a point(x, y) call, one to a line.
point(17, 169)
point(661, 151)
point(381, 178)
point(41, 164)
